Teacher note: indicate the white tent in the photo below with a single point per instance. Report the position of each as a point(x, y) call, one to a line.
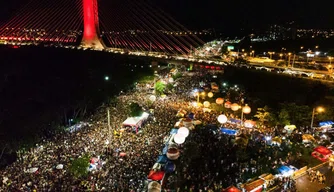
point(136, 121)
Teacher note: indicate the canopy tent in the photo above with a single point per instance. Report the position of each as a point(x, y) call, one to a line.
point(285, 171)
point(326, 123)
point(197, 122)
point(156, 175)
point(234, 120)
point(254, 186)
point(181, 113)
point(162, 159)
point(290, 128)
point(169, 167)
point(267, 177)
point(323, 150)
point(322, 153)
point(308, 138)
point(164, 150)
point(154, 187)
point(276, 141)
point(173, 131)
point(229, 131)
point(231, 189)
point(136, 121)
point(249, 123)
point(191, 116)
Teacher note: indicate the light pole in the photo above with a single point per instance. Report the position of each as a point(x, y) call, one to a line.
point(109, 127)
point(289, 59)
point(319, 110)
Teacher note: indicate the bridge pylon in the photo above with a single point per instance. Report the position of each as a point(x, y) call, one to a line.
point(91, 30)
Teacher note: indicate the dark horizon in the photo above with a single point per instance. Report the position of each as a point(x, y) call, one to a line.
point(233, 17)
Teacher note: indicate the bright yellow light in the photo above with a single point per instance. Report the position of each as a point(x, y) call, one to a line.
point(289, 53)
point(281, 55)
point(203, 93)
point(253, 51)
point(301, 47)
point(317, 47)
point(320, 109)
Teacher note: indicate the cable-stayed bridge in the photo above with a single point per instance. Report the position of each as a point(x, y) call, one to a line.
point(124, 25)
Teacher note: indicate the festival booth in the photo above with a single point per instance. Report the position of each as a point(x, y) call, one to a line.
point(326, 126)
point(268, 180)
point(322, 153)
point(186, 122)
point(276, 141)
point(253, 186)
point(231, 189)
point(234, 121)
point(154, 187)
point(331, 161)
point(307, 138)
point(249, 124)
point(286, 171)
point(290, 128)
point(181, 113)
point(136, 122)
point(229, 131)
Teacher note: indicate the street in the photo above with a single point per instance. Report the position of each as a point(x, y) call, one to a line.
point(304, 183)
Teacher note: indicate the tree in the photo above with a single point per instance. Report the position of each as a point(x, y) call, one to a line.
point(135, 110)
point(159, 87)
point(283, 117)
point(262, 114)
point(331, 53)
point(298, 114)
point(79, 166)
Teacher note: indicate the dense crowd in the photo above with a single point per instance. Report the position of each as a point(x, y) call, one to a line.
point(218, 161)
point(119, 173)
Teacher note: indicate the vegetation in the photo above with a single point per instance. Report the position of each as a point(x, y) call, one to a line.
point(177, 76)
point(135, 110)
point(79, 166)
point(159, 88)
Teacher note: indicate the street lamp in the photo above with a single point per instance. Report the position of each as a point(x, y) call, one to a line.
point(245, 110)
point(289, 59)
point(319, 110)
point(330, 60)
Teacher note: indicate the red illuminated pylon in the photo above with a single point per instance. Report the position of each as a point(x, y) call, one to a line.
point(91, 25)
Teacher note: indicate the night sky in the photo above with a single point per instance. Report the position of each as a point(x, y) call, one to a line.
point(231, 16)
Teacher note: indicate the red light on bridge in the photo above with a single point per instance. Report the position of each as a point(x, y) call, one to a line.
point(89, 7)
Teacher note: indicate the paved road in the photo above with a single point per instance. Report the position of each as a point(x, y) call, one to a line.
point(304, 184)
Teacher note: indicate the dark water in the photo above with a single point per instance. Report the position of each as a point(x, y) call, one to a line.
point(44, 87)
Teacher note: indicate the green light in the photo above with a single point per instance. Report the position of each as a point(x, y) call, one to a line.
point(106, 78)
